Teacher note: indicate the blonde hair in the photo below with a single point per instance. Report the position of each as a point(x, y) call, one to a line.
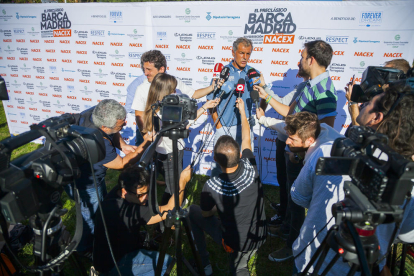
point(161, 86)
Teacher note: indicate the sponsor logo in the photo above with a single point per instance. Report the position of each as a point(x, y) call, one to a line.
point(81, 52)
point(101, 55)
point(27, 76)
point(187, 17)
point(82, 62)
point(20, 40)
point(62, 33)
point(40, 77)
point(337, 39)
point(35, 50)
point(256, 61)
point(117, 64)
point(356, 40)
point(69, 79)
point(50, 50)
point(83, 42)
point(11, 58)
point(370, 18)
point(98, 43)
point(87, 99)
point(227, 48)
point(71, 97)
point(84, 81)
point(7, 40)
point(279, 39)
point(393, 55)
point(18, 31)
point(337, 67)
point(206, 35)
point(182, 47)
point(280, 50)
point(54, 78)
point(135, 65)
point(187, 69)
point(201, 47)
point(100, 33)
point(276, 74)
point(161, 35)
point(43, 94)
point(343, 18)
point(14, 75)
point(33, 108)
point(135, 45)
point(118, 84)
point(102, 63)
point(209, 17)
point(184, 37)
point(28, 93)
point(56, 95)
point(363, 54)
point(82, 34)
point(206, 60)
point(115, 16)
point(338, 53)
point(67, 60)
point(335, 78)
point(34, 40)
point(205, 70)
point(134, 55)
point(396, 42)
point(118, 44)
point(161, 46)
point(279, 62)
point(65, 51)
point(100, 82)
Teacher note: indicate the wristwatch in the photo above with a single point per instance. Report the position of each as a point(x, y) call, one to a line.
point(351, 103)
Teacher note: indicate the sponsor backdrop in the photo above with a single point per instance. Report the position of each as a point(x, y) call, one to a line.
point(59, 58)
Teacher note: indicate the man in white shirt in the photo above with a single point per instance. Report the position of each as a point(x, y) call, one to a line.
point(152, 63)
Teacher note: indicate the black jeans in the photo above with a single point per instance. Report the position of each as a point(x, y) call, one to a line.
point(212, 226)
point(295, 214)
point(281, 177)
point(167, 171)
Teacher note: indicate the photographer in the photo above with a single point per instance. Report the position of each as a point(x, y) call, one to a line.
point(305, 136)
point(126, 211)
point(353, 108)
point(109, 117)
point(237, 196)
point(390, 113)
point(161, 86)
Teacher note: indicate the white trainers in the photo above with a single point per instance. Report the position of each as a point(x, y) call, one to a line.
point(208, 270)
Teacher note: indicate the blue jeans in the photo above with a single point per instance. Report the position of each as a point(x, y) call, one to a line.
point(138, 137)
point(89, 206)
point(140, 262)
point(236, 133)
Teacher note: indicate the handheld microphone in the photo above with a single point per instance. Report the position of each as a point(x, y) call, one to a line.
point(224, 75)
point(254, 95)
point(217, 68)
point(240, 86)
point(254, 77)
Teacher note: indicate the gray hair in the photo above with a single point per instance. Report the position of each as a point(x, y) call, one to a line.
point(246, 42)
point(107, 113)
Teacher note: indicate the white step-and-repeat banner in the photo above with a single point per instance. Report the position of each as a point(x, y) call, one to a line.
point(59, 58)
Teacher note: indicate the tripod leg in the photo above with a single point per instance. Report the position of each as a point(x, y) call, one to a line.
point(403, 257)
point(354, 269)
point(394, 258)
point(178, 249)
point(186, 222)
point(321, 259)
point(331, 264)
point(165, 238)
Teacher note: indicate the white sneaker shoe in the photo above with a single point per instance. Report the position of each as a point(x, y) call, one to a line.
point(208, 270)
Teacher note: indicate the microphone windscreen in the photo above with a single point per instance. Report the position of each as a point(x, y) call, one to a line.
point(217, 68)
point(255, 96)
point(252, 73)
point(240, 85)
point(225, 73)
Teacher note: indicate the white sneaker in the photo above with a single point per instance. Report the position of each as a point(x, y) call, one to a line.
point(208, 270)
point(185, 203)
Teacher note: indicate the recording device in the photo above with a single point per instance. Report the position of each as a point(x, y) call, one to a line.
point(31, 183)
point(255, 97)
point(254, 77)
point(177, 109)
point(224, 75)
point(31, 186)
point(4, 96)
point(240, 86)
point(374, 78)
point(381, 179)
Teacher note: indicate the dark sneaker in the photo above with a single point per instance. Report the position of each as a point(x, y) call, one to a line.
point(277, 232)
point(275, 206)
point(281, 255)
point(275, 221)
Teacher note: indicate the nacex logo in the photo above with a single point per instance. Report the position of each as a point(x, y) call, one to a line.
point(49, 41)
point(187, 69)
point(14, 75)
point(56, 95)
point(280, 50)
point(117, 64)
point(226, 59)
point(98, 43)
point(11, 58)
point(29, 93)
point(50, 50)
point(33, 108)
point(335, 78)
point(279, 62)
point(45, 110)
point(27, 76)
point(36, 50)
point(100, 82)
point(84, 81)
point(34, 41)
point(82, 61)
point(118, 44)
point(51, 60)
point(83, 42)
point(40, 77)
point(81, 52)
point(338, 53)
point(258, 49)
point(87, 99)
point(205, 70)
point(226, 48)
point(23, 58)
point(279, 39)
point(364, 54)
point(54, 78)
point(118, 84)
point(62, 33)
point(135, 65)
point(67, 60)
point(69, 79)
point(161, 46)
point(182, 47)
point(393, 55)
point(206, 132)
point(276, 74)
point(356, 79)
point(135, 45)
point(64, 41)
point(7, 40)
point(65, 51)
point(256, 61)
point(99, 62)
point(43, 94)
point(71, 97)
point(202, 47)
point(20, 40)
point(37, 59)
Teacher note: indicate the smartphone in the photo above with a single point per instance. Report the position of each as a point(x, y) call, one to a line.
point(353, 78)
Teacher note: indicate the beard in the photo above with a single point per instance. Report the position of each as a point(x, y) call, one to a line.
point(302, 73)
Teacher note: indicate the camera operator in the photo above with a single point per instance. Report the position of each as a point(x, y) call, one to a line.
point(152, 63)
point(237, 196)
point(390, 113)
point(126, 211)
point(162, 85)
point(305, 136)
point(109, 117)
point(353, 108)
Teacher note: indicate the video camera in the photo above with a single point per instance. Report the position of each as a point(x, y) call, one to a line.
point(33, 183)
point(381, 178)
point(177, 109)
point(373, 80)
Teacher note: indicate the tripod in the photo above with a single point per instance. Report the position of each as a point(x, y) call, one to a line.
point(177, 217)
